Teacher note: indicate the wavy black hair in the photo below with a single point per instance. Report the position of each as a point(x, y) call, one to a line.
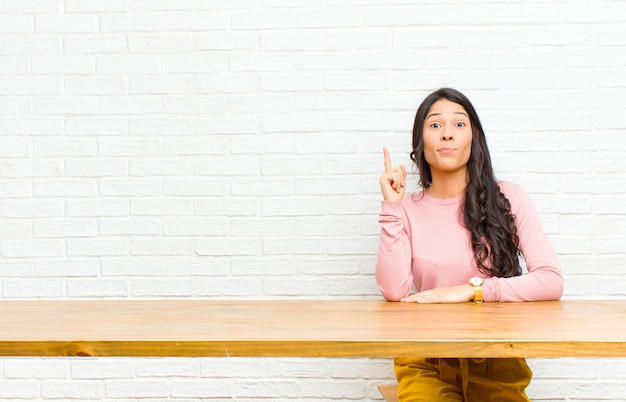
point(486, 211)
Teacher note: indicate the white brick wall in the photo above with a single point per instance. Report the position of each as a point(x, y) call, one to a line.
point(231, 149)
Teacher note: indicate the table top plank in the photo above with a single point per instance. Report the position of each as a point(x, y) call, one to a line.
point(312, 328)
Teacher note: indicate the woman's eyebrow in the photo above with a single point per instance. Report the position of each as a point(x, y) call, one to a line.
point(438, 114)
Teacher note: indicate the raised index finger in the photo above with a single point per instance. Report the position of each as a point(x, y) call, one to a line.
point(387, 159)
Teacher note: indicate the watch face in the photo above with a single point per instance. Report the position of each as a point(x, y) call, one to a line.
point(476, 281)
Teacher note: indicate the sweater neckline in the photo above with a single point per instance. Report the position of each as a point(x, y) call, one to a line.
point(439, 201)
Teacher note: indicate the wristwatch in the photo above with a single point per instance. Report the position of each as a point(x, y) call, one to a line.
point(477, 284)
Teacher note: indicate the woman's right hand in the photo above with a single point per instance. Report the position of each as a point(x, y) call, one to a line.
point(393, 181)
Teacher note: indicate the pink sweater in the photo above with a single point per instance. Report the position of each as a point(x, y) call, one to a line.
point(423, 243)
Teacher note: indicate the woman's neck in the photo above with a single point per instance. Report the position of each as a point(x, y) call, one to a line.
point(448, 185)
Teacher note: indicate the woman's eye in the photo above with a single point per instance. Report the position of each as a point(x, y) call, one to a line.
point(460, 124)
point(435, 125)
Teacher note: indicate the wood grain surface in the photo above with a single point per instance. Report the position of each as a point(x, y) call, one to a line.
point(337, 328)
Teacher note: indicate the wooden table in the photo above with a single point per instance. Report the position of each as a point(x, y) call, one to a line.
point(312, 328)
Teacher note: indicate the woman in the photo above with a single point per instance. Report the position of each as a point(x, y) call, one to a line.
point(458, 240)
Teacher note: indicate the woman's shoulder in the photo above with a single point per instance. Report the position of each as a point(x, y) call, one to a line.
point(510, 189)
point(515, 193)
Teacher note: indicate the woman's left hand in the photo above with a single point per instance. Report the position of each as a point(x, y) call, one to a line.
point(450, 294)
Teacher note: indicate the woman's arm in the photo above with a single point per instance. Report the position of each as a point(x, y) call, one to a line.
point(544, 280)
point(393, 265)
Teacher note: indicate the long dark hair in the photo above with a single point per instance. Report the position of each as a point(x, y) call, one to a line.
point(486, 211)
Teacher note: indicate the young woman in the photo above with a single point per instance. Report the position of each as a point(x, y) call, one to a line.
point(457, 240)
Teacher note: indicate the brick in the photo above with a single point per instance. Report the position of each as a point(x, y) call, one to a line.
point(50, 146)
point(135, 22)
point(127, 64)
point(257, 20)
point(124, 147)
point(65, 188)
point(67, 267)
point(257, 62)
point(335, 186)
point(196, 63)
point(195, 226)
point(262, 187)
point(20, 269)
point(161, 167)
point(197, 20)
point(95, 6)
point(296, 287)
point(31, 208)
point(224, 125)
point(20, 390)
point(133, 266)
point(292, 122)
point(32, 288)
point(228, 246)
point(323, 265)
point(131, 187)
point(234, 165)
point(293, 41)
point(170, 43)
point(72, 389)
point(27, 44)
point(232, 206)
point(182, 367)
point(114, 388)
point(226, 40)
point(234, 367)
point(65, 105)
point(136, 104)
point(198, 267)
point(336, 17)
point(162, 287)
point(97, 288)
point(294, 246)
point(195, 146)
point(129, 226)
point(292, 83)
point(96, 126)
point(97, 207)
point(260, 103)
point(95, 167)
point(62, 228)
point(95, 44)
point(96, 247)
point(333, 389)
point(293, 206)
point(34, 369)
point(155, 246)
point(230, 287)
point(198, 104)
point(94, 86)
point(174, 84)
point(361, 81)
point(160, 207)
point(68, 65)
point(100, 369)
point(15, 125)
point(201, 389)
point(15, 24)
point(226, 83)
point(262, 266)
point(262, 226)
point(194, 187)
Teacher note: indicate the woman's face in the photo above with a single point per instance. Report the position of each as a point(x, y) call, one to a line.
point(447, 137)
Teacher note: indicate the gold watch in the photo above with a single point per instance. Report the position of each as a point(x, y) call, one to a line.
point(477, 284)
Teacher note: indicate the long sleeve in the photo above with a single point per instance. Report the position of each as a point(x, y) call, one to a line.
point(393, 265)
point(544, 280)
